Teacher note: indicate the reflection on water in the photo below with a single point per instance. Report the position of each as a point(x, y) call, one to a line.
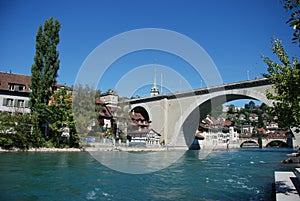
point(243, 174)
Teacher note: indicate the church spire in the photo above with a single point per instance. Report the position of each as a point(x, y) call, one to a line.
point(154, 91)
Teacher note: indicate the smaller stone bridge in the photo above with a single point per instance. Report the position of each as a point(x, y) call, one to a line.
point(265, 142)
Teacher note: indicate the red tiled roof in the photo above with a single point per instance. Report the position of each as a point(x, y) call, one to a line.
point(227, 123)
point(210, 122)
point(136, 116)
point(106, 113)
point(262, 130)
point(6, 78)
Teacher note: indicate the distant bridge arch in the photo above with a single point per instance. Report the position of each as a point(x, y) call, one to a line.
point(254, 142)
point(281, 142)
point(266, 142)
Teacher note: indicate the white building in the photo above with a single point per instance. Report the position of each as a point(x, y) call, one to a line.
point(218, 139)
point(14, 93)
point(218, 134)
point(110, 98)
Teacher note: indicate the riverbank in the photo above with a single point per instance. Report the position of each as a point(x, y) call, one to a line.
point(93, 149)
point(134, 149)
point(43, 149)
point(116, 148)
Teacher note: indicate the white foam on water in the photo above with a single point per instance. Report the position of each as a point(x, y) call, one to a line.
point(91, 195)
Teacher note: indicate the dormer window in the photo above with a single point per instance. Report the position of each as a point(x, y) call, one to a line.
point(11, 87)
point(21, 88)
point(16, 87)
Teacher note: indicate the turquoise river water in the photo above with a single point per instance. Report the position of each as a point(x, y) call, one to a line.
point(241, 174)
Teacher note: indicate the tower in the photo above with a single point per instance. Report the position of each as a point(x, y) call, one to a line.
point(154, 90)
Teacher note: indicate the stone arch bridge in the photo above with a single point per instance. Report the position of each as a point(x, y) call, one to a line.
point(176, 116)
point(266, 142)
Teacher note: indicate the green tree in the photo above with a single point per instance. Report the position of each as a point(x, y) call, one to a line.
point(15, 131)
point(123, 118)
point(84, 108)
point(44, 71)
point(61, 117)
point(231, 109)
point(6, 130)
point(286, 79)
point(98, 106)
point(251, 105)
point(294, 21)
point(285, 75)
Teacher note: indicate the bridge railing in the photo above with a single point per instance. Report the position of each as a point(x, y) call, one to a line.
point(269, 137)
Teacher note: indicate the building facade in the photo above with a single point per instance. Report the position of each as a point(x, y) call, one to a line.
point(14, 92)
point(218, 133)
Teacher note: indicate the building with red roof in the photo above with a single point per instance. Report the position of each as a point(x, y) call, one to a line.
point(14, 92)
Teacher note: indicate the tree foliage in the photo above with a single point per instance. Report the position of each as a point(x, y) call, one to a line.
point(285, 76)
point(44, 71)
point(123, 118)
point(46, 63)
point(84, 107)
point(15, 131)
point(61, 116)
point(294, 20)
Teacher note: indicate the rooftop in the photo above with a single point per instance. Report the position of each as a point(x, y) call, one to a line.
point(14, 82)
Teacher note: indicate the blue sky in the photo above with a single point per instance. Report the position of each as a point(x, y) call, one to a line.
point(233, 32)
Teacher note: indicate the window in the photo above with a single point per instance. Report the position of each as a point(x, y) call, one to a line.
point(21, 87)
point(21, 103)
point(11, 87)
point(8, 102)
point(16, 87)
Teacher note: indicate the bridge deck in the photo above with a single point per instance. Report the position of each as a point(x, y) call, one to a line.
point(207, 90)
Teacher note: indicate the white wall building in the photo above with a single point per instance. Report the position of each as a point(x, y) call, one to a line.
point(14, 93)
point(218, 139)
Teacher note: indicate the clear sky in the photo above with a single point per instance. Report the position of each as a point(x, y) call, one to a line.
point(235, 33)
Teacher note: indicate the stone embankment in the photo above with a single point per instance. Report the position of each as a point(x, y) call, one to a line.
point(287, 185)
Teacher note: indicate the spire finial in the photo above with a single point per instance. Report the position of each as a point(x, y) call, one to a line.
point(154, 91)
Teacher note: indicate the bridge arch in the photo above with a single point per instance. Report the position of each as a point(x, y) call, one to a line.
point(200, 107)
point(277, 142)
point(144, 110)
point(249, 141)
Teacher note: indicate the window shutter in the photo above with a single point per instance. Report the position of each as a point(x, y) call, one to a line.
point(16, 103)
point(4, 102)
point(26, 103)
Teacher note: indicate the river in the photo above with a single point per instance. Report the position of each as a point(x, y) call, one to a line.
point(239, 174)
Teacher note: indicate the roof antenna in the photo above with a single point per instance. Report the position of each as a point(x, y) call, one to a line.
point(161, 83)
